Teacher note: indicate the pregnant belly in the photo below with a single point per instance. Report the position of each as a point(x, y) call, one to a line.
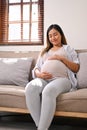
point(55, 67)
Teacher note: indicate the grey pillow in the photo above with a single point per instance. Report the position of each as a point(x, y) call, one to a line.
point(15, 71)
point(82, 74)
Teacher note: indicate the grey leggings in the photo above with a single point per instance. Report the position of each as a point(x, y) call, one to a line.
point(41, 99)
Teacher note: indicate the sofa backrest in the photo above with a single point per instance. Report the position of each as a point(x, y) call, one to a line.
point(19, 54)
point(82, 54)
point(11, 54)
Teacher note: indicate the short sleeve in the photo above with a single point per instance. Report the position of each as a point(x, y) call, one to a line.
point(38, 65)
point(72, 54)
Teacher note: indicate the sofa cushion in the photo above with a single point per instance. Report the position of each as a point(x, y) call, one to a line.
point(75, 101)
point(12, 96)
point(82, 74)
point(15, 71)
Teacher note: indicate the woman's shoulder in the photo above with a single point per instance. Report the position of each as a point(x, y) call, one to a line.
point(68, 48)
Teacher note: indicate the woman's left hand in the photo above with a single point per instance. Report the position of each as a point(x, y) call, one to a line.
point(71, 65)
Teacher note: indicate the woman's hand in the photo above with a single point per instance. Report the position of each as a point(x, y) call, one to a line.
point(43, 75)
point(70, 64)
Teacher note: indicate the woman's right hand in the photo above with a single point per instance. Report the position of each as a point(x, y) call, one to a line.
point(43, 75)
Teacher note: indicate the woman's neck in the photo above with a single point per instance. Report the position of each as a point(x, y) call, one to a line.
point(54, 48)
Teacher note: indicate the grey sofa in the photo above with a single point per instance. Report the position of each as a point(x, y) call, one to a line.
point(12, 88)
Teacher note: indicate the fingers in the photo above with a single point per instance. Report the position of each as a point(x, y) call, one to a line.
point(46, 75)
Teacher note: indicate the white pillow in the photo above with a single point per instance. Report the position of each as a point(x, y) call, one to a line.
point(15, 71)
point(82, 73)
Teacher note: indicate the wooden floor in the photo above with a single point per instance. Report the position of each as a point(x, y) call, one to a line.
point(10, 121)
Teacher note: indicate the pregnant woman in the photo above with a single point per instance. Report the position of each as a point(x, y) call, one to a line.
point(54, 73)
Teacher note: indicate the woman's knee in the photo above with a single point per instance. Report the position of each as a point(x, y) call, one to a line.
point(30, 88)
point(35, 86)
point(48, 91)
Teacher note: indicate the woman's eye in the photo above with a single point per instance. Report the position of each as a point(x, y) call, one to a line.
point(50, 36)
point(55, 34)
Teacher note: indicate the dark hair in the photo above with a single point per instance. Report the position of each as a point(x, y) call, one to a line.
point(49, 44)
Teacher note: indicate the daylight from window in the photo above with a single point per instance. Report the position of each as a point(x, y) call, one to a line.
point(21, 30)
point(21, 22)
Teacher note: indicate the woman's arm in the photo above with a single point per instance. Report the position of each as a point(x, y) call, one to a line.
point(70, 64)
point(36, 72)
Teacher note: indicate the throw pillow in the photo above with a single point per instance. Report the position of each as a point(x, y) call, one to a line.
point(15, 71)
point(82, 73)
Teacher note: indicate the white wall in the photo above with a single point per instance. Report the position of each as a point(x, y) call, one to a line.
point(71, 15)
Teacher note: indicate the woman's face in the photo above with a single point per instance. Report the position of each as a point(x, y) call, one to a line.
point(55, 37)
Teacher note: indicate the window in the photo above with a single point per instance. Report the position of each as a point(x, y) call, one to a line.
point(21, 22)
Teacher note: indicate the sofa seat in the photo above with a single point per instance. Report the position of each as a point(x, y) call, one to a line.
point(75, 101)
point(14, 96)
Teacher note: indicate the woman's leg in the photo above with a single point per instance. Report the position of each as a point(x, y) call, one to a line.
point(49, 94)
point(32, 94)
